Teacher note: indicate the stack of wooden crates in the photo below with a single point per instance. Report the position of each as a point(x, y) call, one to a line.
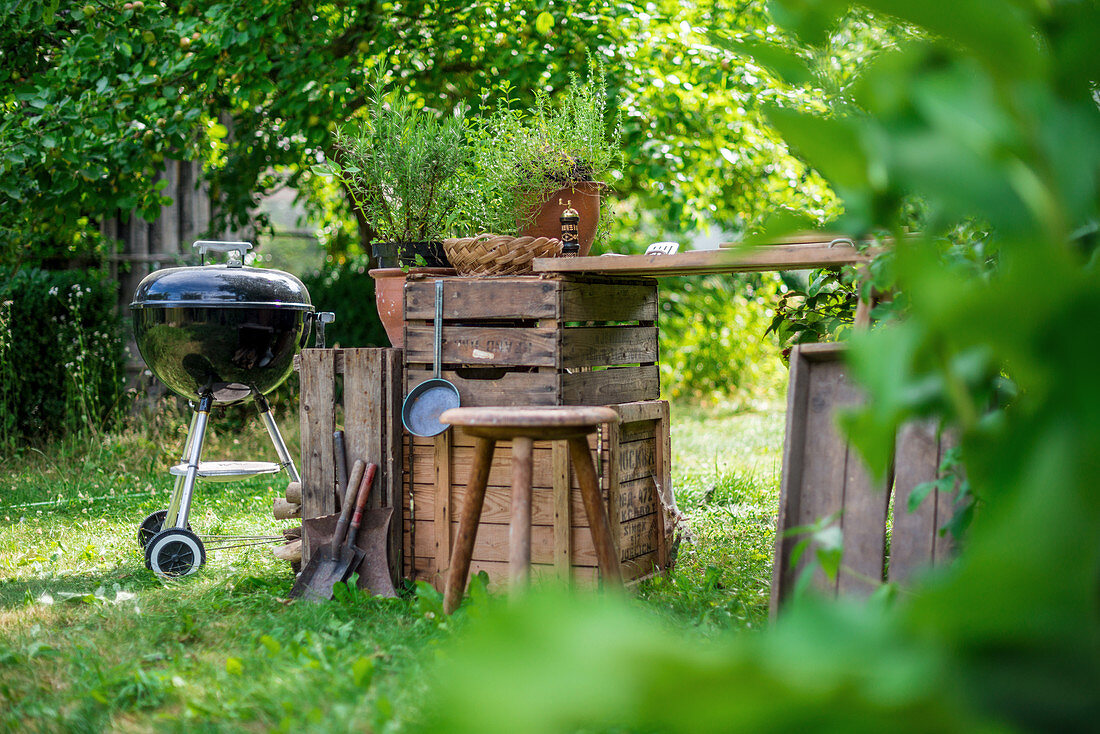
point(522, 341)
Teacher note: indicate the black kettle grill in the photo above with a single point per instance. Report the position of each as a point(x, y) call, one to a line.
point(217, 334)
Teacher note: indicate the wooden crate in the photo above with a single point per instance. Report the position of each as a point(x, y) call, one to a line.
point(825, 476)
point(537, 340)
point(632, 466)
point(371, 408)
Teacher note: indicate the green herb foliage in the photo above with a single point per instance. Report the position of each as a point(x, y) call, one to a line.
point(521, 157)
point(399, 165)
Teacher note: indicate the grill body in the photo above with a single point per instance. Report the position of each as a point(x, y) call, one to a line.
point(224, 331)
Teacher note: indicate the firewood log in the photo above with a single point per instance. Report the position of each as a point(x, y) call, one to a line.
point(291, 552)
point(283, 510)
point(294, 493)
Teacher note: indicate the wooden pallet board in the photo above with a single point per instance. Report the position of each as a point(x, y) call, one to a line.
point(740, 259)
point(531, 298)
point(824, 477)
point(596, 387)
point(537, 346)
point(372, 393)
point(916, 543)
point(639, 568)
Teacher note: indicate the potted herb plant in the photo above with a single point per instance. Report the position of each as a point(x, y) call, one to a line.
point(528, 167)
point(399, 165)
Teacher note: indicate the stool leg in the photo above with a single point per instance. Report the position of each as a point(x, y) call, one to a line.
point(463, 548)
point(608, 560)
point(519, 531)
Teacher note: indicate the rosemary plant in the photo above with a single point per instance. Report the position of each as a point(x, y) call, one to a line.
point(399, 165)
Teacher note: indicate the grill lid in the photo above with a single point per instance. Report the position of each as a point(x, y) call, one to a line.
point(231, 285)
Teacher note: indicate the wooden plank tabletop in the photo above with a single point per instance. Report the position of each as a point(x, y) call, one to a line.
point(747, 258)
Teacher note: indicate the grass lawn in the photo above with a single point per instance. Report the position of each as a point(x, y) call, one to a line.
point(91, 640)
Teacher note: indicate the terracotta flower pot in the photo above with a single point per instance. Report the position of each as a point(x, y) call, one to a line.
point(584, 197)
point(389, 297)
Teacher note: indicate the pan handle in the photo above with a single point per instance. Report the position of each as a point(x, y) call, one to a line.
point(438, 336)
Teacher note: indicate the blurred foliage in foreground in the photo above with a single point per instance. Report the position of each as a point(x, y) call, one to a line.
point(988, 112)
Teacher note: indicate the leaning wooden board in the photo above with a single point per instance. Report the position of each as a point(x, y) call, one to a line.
point(916, 541)
point(633, 470)
point(824, 477)
point(372, 390)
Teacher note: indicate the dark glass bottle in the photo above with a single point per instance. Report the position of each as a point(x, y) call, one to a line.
point(570, 231)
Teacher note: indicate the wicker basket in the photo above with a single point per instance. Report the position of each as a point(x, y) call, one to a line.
point(490, 254)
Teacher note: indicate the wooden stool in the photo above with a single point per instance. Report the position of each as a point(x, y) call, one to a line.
point(523, 426)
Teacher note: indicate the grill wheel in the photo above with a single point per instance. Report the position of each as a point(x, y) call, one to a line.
point(175, 552)
point(152, 525)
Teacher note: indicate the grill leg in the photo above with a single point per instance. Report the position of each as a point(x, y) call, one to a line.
point(174, 501)
point(180, 506)
point(276, 438)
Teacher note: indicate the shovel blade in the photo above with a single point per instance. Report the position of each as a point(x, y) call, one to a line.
point(373, 540)
point(325, 568)
point(305, 585)
point(322, 573)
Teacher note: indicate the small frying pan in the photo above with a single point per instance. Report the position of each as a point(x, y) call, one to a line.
point(427, 401)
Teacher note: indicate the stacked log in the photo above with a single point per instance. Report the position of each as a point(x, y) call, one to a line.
point(286, 508)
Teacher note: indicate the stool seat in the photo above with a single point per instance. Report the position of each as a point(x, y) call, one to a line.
point(546, 416)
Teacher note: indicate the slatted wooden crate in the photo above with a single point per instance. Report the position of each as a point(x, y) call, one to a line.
point(632, 466)
point(824, 476)
point(537, 340)
point(371, 412)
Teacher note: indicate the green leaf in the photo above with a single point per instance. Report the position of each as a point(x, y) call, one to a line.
point(996, 31)
point(812, 21)
point(832, 146)
point(217, 131)
point(233, 666)
point(362, 671)
point(544, 23)
point(780, 60)
point(271, 644)
point(918, 494)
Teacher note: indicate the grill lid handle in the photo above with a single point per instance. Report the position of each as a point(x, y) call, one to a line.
point(205, 246)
